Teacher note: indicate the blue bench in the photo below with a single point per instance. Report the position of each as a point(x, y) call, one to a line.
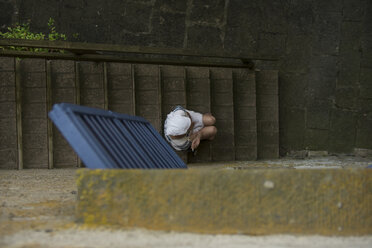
point(105, 139)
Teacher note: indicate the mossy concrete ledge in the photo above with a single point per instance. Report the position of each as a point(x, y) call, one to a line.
point(260, 201)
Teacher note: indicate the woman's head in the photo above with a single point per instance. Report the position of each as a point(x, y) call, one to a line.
point(177, 123)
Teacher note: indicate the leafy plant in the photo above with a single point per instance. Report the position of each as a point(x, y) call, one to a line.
point(22, 31)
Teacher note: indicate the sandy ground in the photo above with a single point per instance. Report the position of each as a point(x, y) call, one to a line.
point(37, 210)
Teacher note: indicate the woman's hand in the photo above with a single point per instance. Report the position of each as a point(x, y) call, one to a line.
point(195, 141)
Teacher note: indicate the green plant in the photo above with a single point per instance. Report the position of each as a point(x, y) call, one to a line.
point(22, 31)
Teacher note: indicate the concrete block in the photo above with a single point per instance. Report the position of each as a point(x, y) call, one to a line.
point(33, 95)
point(7, 94)
point(342, 131)
point(222, 85)
point(267, 138)
point(198, 98)
point(317, 118)
point(64, 157)
point(63, 66)
point(63, 80)
point(268, 151)
point(168, 28)
point(292, 89)
point(8, 140)
point(322, 202)
point(114, 68)
point(8, 125)
point(7, 109)
point(225, 74)
point(292, 134)
point(208, 12)
point(268, 114)
point(222, 99)
point(300, 17)
point(147, 83)
point(204, 38)
point(35, 140)
point(245, 138)
point(365, 76)
point(223, 153)
point(120, 96)
point(364, 105)
point(147, 97)
point(197, 72)
point(316, 139)
point(64, 95)
point(141, 70)
point(8, 159)
point(245, 125)
point(30, 125)
point(170, 71)
point(33, 79)
point(35, 158)
point(173, 84)
point(223, 112)
point(7, 79)
point(245, 113)
point(349, 70)
point(298, 51)
point(246, 152)
point(245, 99)
point(268, 126)
point(198, 84)
point(89, 67)
point(271, 44)
point(34, 111)
point(92, 95)
point(364, 133)
point(244, 81)
point(7, 64)
point(148, 111)
point(268, 101)
point(346, 97)
point(32, 65)
point(267, 82)
point(91, 80)
point(174, 98)
point(352, 10)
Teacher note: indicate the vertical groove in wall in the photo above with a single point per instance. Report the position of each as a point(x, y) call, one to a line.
point(134, 90)
point(210, 107)
point(49, 107)
point(77, 83)
point(19, 112)
point(105, 86)
point(160, 100)
point(185, 86)
point(78, 97)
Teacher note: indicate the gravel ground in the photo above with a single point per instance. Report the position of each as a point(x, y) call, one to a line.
point(37, 210)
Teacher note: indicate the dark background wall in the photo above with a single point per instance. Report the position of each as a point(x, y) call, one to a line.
point(324, 50)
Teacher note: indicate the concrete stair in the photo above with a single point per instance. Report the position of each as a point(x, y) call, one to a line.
point(245, 103)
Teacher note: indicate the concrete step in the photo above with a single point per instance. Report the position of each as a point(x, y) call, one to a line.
point(212, 200)
point(247, 119)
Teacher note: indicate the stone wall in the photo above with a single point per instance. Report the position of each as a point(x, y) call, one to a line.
point(324, 50)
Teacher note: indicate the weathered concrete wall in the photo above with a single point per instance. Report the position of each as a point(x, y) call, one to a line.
point(327, 202)
point(325, 51)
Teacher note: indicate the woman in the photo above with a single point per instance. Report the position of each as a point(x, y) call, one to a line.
point(185, 129)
